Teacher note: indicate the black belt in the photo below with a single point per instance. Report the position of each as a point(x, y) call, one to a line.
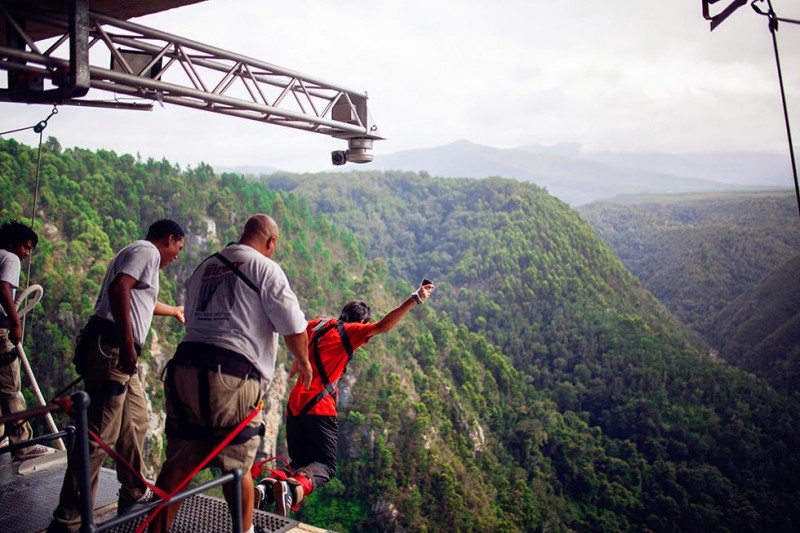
point(210, 357)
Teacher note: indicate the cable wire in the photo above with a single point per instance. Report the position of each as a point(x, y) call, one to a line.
point(38, 128)
point(773, 29)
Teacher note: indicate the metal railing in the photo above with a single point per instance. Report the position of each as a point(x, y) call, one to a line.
point(78, 450)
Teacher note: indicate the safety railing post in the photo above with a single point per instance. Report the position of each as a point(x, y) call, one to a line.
point(70, 439)
point(80, 402)
point(236, 512)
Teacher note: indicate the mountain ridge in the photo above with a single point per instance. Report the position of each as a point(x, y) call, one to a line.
point(717, 261)
point(760, 330)
point(578, 177)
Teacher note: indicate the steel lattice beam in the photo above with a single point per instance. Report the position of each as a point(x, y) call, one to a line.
point(131, 59)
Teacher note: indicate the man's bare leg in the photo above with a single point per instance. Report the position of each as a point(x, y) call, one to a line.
point(168, 481)
point(248, 499)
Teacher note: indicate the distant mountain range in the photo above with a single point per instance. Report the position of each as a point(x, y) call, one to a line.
point(579, 177)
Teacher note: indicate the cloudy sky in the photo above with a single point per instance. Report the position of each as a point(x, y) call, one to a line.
point(611, 75)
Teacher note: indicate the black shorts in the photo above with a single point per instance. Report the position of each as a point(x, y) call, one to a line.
point(312, 442)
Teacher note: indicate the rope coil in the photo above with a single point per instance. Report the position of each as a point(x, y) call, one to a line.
point(36, 291)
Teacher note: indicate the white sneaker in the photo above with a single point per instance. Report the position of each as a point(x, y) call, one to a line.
point(37, 450)
point(126, 504)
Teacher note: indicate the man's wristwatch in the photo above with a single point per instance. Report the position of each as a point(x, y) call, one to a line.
point(416, 298)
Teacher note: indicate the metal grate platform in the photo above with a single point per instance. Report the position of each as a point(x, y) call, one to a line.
point(207, 514)
point(29, 493)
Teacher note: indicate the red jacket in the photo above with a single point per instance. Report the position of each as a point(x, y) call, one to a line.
point(330, 352)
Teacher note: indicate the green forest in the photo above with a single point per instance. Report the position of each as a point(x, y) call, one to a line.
point(760, 330)
point(697, 251)
point(543, 387)
point(726, 264)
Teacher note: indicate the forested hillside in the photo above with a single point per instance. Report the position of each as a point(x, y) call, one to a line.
point(521, 268)
point(760, 330)
point(699, 254)
point(542, 387)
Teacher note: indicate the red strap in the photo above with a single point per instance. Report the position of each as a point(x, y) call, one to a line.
point(281, 475)
point(65, 404)
point(308, 488)
point(244, 423)
point(121, 461)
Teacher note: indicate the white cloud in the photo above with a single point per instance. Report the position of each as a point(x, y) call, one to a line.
point(612, 75)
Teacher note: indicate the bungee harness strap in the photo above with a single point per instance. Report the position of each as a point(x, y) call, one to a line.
point(232, 267)
point(206, 359)
point(236, 271)
point(280, 474)
point(121, 461)
point(227, 440)
point(329, 389)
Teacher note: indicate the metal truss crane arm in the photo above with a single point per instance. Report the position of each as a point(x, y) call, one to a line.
point(127, 58)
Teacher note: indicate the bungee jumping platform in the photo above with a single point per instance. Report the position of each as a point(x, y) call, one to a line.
point(29, 493)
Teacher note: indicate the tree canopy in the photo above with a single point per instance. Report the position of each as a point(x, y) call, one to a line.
point(541, 387)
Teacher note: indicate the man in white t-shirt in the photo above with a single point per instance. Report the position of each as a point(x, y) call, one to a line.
point(16, 243)
point(238, 302)
point(106, 356)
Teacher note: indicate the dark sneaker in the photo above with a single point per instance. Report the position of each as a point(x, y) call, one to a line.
point(128, 504)
point(282, 493)
point(263, 494)
point(37, 450)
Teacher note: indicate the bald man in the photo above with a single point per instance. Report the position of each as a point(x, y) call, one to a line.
point(237, 303)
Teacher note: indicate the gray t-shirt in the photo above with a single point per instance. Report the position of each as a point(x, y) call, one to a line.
point(140, 260)
point(9, 272)
point(222, 310)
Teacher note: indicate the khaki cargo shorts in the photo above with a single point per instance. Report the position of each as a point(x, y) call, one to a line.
point(231, 400)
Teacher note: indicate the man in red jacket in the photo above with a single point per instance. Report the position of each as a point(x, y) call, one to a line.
point(312, 430)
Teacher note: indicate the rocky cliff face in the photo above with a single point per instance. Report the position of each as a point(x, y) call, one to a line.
point(150, 376)
point(274, 408)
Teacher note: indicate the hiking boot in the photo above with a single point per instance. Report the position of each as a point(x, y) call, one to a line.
point(282, 493)
point(263, 494)
point(37, 450)
point(126, 503)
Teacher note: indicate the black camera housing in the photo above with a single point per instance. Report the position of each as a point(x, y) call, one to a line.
point(339, 157)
